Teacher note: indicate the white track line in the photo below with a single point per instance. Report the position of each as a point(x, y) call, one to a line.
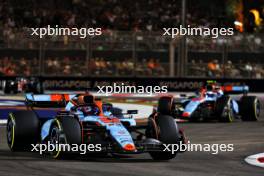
point(3, 121)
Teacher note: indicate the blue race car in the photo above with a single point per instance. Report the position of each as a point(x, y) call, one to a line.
point(83, 119)
point(212, 102)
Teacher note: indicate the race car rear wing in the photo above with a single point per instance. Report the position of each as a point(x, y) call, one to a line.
point(235, 89)
point(48, 100)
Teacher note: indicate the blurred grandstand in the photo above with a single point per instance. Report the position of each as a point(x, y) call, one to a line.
point(131, 44)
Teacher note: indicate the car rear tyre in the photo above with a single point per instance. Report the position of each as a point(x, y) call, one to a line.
point(224, 110)
point(165, 105)
point(22, 130)
point(249, 108)
point(168, 133)
point(64, 130)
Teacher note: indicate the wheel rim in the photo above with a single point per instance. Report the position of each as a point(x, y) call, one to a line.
point(10, 132)
point(54, 135)
point(230, 115)
point(54, 139)
point(257, 108)
point(228, 112)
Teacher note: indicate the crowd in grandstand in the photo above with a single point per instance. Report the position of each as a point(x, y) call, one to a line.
point(108, 14)
point(101, 67)
point(113, 15)
point(22, 66)
point(76, 66)
point(215, 69)
point(238, 42)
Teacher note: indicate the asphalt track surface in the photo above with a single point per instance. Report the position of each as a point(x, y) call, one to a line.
point(247, 137)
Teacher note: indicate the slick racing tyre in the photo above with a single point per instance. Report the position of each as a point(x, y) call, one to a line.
point(224, 110)
point(168, 133)
point(165, 105)
point(249, 108)
point(64, 130)
point(22, 130)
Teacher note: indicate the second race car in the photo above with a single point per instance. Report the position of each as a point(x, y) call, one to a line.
point(212, 102)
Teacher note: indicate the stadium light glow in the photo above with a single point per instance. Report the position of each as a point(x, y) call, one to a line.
point(238, 23)
point(257, 16)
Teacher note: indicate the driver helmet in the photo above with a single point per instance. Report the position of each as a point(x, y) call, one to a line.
point(90, 110)
point(210, 87)
point(83, 99)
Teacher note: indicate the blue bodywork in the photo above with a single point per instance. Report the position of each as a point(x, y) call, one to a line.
point(116, 129)
point(191, 104)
